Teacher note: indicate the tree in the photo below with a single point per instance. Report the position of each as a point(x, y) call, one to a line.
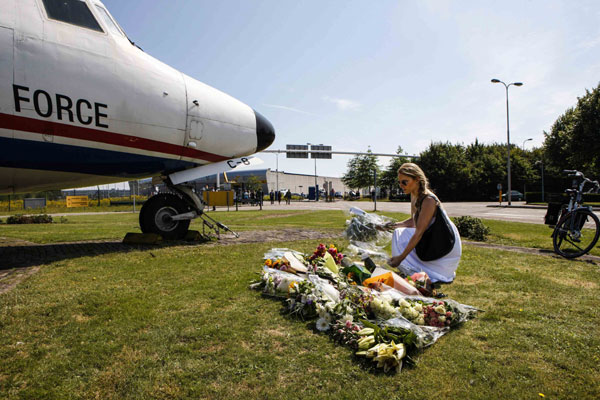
point(389, 177)
point(360, 171)
point(447, 169)
point(254, 183)
point(574, 140)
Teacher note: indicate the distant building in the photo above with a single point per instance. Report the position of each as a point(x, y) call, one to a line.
point(273, 180)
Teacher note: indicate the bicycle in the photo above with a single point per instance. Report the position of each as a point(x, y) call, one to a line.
point(578, 228)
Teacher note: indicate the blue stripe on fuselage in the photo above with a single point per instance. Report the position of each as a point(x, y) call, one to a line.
point(28, 154)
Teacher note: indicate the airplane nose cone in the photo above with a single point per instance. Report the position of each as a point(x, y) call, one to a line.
point(265, 134)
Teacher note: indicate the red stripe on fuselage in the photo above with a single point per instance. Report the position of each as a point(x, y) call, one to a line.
point(18, 123)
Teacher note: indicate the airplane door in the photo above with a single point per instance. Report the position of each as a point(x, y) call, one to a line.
point(194, 132)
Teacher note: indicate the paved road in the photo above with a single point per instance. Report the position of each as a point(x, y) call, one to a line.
point(474, 209)
point(518, 212)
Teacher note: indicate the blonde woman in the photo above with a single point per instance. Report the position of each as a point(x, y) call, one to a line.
point(407, 234)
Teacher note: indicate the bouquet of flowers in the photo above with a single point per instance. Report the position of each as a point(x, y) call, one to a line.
point(381, 326)
point(421, 281)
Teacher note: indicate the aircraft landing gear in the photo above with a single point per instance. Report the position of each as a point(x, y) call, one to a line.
point(157, 215)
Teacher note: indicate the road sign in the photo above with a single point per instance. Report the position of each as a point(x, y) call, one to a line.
point(321, 148)
point(293, 154)
point(77, 201)
point(499, 187)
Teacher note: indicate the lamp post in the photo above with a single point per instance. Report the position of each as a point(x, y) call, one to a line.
point(508, 134)
point(524, 141)
point(541, 164)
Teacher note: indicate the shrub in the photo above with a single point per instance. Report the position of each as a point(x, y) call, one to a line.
point(29, 219)
point(471, 228)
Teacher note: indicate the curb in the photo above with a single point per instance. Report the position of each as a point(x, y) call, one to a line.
point(530, 207)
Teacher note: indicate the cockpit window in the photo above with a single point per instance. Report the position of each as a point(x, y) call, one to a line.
point(74, 12)
point(108, 21)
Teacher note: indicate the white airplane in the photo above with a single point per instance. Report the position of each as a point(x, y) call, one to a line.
point(81, 105)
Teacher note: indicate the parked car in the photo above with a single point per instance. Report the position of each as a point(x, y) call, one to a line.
point(515, 195)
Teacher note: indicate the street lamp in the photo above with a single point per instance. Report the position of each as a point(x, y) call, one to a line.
point(508, 134)
point(524, 141)
point(541, 164)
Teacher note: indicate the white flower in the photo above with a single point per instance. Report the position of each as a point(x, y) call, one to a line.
point(376, 303)
point(322, 324)
point(414, 313)
point(421, 320)
point(320, 309)
point(419, 307)
point(347, 318)
point(440, 310)
point(441, 318)
point(404, 303)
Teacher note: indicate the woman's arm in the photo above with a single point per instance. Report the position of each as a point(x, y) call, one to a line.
point(407, 223)
point(427, 212)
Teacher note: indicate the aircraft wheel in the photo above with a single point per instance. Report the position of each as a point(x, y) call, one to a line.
point(156, 213)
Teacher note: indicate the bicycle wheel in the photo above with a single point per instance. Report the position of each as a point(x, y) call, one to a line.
point(576, 233)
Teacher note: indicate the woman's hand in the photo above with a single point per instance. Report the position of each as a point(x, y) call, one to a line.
point(395, 261)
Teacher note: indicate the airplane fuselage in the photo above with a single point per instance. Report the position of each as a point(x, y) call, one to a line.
point(80, 105)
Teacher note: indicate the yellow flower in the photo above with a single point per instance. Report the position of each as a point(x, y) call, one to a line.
point(268, 262)
point(332, 246)
point(291, 286)
point(541, 394)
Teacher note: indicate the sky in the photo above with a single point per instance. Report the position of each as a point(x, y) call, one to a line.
point(380, 74)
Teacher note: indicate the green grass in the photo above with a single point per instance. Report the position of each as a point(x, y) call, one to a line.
point(115, 226)
point(180, 323)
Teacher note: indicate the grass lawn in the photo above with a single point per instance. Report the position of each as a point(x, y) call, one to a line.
point(179, 322)
point(115, 226)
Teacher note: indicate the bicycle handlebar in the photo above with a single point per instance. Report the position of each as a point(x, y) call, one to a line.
point(573, 173)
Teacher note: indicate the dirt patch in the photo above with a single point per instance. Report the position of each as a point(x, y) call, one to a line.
point(277, 235)
point(283, 215)
point(10, 242)
point(11, 278)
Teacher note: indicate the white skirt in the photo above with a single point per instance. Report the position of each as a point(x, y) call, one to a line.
point(440, 270)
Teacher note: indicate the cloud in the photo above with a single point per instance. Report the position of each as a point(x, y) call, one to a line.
point(288, 109)
point(343, 104)
point(589, 44)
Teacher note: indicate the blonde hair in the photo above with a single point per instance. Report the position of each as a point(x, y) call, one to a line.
point(414, 171)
